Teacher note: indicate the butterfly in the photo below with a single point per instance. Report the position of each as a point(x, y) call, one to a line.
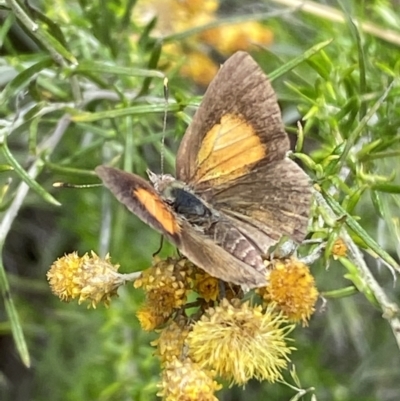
point(235, 193)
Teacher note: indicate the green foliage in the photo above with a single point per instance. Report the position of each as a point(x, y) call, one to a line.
point(82, 85)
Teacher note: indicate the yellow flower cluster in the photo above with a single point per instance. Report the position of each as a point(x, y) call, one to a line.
point(166, 285)
point(175, 16)
point(292, 288)
point(86, 277)
point(205, 329)
point(226, 338)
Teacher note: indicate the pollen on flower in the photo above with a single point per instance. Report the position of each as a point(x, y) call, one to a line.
point(186, 381)
point(170, 343)
point(292, 288)
point(87, 277)
point(240, 342)
point(339, 248)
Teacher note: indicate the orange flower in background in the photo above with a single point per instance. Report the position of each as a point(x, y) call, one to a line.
point(230, 38)
point(174, 16)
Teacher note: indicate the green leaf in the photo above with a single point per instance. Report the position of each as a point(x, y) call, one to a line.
point(354, 135)
point(15, 86)
point(386, 187)
point(14, 319)
point(78, 116)
point(25, 176)
point(99, 67)
point(298, 60)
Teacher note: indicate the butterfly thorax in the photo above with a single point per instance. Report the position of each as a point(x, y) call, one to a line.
point(182, 199)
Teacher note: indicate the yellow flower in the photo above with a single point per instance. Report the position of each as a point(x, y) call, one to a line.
point(292, 288)
point(167, 284)
point(230, 38)
point(240, 342)
point(206, 286)
point(186, 381)
point(87, 277)
point(339, 248)
point(170, 272)
point(150, 318)
point(170, 343)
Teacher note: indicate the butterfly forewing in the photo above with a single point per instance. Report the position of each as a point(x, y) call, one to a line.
point(234, 156)
point(237, 125)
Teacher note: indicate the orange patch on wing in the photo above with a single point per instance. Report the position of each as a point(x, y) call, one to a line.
point(229, 150)
point(158, 210)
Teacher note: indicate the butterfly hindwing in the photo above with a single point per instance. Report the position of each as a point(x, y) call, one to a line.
point(218, 262)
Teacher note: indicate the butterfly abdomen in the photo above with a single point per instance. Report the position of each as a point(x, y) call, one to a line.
point(233, 241)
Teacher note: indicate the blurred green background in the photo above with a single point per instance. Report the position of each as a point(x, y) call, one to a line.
point(86, 88)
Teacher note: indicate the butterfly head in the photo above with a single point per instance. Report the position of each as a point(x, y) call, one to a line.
point(165, 185)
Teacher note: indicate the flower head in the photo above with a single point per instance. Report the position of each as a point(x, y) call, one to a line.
point(339, 248)
point(240, 342)
point(206, 286)
point(150, 317)
point(88, 278)
point(166, 284)
point(170, 343)
point(292, 288)
point(186, 381)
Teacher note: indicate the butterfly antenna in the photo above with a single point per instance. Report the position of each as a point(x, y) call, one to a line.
point(60, 184)
point(166, 93)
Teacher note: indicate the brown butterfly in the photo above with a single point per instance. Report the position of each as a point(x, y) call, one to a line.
point(235, 192)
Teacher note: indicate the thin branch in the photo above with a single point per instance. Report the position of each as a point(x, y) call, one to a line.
point(390, 309)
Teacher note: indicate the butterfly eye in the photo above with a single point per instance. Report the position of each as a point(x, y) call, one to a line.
point(169, 193)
